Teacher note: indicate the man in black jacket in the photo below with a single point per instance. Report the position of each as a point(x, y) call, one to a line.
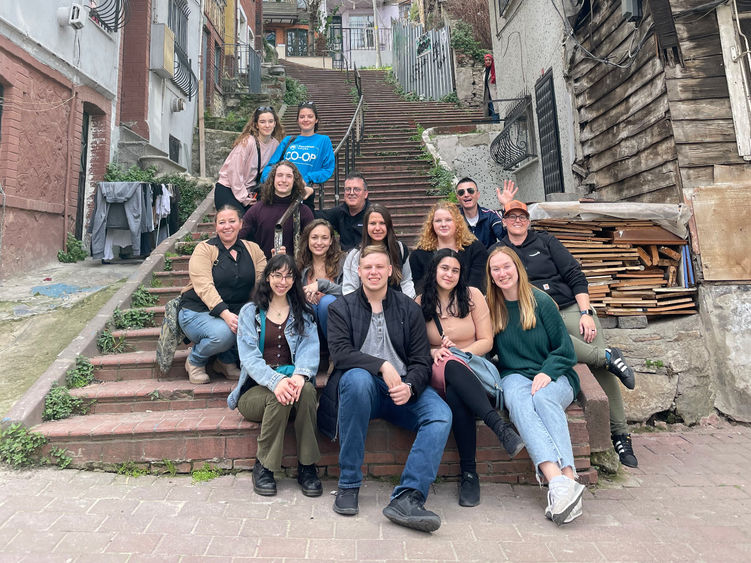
point(347, 217)
point(382, 363)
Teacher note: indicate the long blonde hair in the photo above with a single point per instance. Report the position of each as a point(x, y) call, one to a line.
point(497, 302)
point(429, 240)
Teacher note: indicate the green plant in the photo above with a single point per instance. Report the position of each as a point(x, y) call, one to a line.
point(187, 248)
point(59, 403)
point(142, 298)
point(115, 173)
point(463, 40)
point(170, 467)
point(450, 98)
point(654, 363)
point(295, 92)
point(132, 318)
point(108, 344)
point(60, 457)
point(154, 395)
point(417, 137)
point(75, 252)
point(19, 446)
point(81, 375)
point(206, 473)
point(156, 281)
point(130, 469)
point(386, 153)
point(353, 93)
point(441, 179)
point(191, 193)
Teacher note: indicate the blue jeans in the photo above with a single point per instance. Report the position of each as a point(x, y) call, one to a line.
point(211, 336)
point(541, 418)
point(362, 398)
point(321, 312)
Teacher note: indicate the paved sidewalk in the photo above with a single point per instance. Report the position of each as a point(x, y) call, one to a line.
point(690, 500)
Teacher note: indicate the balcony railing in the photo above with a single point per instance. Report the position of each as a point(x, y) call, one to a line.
point(184, 77)
point(111, 15)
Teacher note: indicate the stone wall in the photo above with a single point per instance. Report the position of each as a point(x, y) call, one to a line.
point(673, 365)
point(470, 81)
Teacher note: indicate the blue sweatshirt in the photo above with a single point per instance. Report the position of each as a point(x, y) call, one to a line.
point(313, 156)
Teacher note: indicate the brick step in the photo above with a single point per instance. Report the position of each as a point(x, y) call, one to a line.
point(164, 294)
point(194, 436)
point(141, 339)
point(158, 313)
point(137, 365)
point(174, 277)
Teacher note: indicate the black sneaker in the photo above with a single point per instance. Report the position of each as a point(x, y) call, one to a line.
point(469, 489)
point(307, 476)
point(616, 364)
point(407, 509)
point(263, 480)
point(346, 501)
point(511, 441)
point(622, 445)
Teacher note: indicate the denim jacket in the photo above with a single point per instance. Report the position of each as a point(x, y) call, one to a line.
point(304, 349)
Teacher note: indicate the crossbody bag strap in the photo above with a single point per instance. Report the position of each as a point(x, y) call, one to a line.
point(437, 322)
point(260, 169)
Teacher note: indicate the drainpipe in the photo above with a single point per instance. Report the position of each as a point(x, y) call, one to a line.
point(71, 119)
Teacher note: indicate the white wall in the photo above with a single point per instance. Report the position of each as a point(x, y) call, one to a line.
point(529, 43)
point(163, 122)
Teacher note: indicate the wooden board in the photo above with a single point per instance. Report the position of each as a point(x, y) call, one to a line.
point(722, 224)
point(647, 235)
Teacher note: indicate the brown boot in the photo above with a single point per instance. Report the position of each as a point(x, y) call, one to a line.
point(230, 371)
point(196, 374)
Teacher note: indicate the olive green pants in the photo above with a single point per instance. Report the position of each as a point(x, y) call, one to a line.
point(593, 354)
point(258, 404)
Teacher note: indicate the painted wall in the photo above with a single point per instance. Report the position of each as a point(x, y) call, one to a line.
point(525, 46)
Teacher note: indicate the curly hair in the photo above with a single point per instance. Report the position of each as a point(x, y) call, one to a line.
point(497, 302)
point(251, 127)
point(429, 240)
point(266, 194)
point(295, 296)
point(459, 305)
point(333, 256)
point(390, 242)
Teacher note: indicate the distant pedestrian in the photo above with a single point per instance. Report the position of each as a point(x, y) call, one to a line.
point(489, 90)
point(278, 345)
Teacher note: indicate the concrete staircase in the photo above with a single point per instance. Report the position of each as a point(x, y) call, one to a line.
point(143, 416)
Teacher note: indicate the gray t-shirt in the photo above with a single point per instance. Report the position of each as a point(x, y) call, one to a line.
point(378, 344)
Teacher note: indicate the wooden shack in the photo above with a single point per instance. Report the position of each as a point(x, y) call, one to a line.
point(663, 121)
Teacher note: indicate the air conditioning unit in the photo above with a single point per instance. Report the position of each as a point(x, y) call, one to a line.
point(74, 16)
point(162, 50)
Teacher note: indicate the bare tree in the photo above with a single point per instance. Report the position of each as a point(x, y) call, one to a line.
point(475, 13)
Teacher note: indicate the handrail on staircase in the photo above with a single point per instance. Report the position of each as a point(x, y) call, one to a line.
point(350, 142)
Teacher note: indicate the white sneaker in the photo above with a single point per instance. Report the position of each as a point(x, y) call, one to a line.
point(563, 501)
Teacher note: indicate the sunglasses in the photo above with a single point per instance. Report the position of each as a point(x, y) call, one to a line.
point(262, 109)
point(307, 105)
point(470, 191)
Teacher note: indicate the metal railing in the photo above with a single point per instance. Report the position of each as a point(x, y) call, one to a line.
point(184, 77)
point(242, 68)
point(350, 143)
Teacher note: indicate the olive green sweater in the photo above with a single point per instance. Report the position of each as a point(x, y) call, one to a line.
point(546, 348)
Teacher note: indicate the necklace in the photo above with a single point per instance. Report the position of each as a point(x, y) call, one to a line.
point(278, 314)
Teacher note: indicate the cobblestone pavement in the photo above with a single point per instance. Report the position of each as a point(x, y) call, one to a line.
point(690, 500)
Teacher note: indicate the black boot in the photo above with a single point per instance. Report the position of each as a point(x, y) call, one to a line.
point(263, 480)
point(307, 476)
point(511, 441)
point(469, 489)
point(407, 509)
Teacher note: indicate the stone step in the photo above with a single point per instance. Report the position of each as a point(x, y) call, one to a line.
point(157, 311)
point(141, 339)
point(164, 294)
point(137, 365)
point(174, 277)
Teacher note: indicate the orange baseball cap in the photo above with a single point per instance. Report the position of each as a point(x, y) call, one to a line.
point(516, 204)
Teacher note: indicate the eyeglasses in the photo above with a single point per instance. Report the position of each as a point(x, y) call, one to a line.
point(277, 276)
point(263, 109)
point(517, 218)
point(470, 191)
point(352, 190)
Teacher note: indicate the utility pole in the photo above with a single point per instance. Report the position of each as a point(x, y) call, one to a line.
point(376, 38)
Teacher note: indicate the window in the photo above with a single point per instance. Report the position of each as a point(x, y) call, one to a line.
point(515, 143)
point(361, 32)
point(217, 63)
point(177, 21)
point(547, 125)
point(174, 149)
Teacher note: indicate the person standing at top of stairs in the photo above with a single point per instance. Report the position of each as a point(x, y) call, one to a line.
point(240, 175)
point(310, 151)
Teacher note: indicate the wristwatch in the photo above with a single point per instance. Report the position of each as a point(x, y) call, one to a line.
point(411, 390)
point(583, 312)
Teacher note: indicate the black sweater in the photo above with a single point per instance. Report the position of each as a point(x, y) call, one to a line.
point(348, 226)
point(550, 266)
point(472, 259)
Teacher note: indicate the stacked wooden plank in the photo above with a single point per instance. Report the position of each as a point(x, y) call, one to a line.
point(632, 265)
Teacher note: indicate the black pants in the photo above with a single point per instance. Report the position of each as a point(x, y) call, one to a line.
point(224, 196)
point(468, 401)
